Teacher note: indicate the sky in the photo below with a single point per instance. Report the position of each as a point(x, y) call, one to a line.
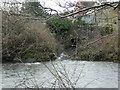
point(52, 3)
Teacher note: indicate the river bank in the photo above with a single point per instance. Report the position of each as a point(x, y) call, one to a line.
point(62, 56)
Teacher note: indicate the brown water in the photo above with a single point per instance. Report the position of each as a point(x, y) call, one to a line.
point(82, 74)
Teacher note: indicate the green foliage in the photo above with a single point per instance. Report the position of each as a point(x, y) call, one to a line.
point(101, 55)
point(60, 26)
point(40, 55)
point(107, 29)
point(105, 55)
point(85, 56)
point(79, 22)
point(35, 9)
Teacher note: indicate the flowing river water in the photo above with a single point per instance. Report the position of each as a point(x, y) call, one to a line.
point(80, 74)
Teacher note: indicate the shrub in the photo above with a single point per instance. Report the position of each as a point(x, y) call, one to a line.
point(23, 38)
point(60, 26)
point(79, 22)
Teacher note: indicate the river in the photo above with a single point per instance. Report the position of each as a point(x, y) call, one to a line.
point(80, 74)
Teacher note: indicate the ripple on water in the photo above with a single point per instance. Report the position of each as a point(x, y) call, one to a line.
point(107, 72)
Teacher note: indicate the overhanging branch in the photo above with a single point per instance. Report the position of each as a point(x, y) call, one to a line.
point(113, 4)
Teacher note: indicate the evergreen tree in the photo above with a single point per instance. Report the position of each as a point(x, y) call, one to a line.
point(35, 9)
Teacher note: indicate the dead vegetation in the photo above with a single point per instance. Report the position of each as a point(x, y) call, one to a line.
point(105, 48)
point(22, 36)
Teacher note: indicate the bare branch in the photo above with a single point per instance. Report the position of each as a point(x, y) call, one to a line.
point(66, 5)
point(91, 8)
point(96, 40)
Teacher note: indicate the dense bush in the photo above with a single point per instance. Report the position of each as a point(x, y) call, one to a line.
point(26, 39)
point(60, 26)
